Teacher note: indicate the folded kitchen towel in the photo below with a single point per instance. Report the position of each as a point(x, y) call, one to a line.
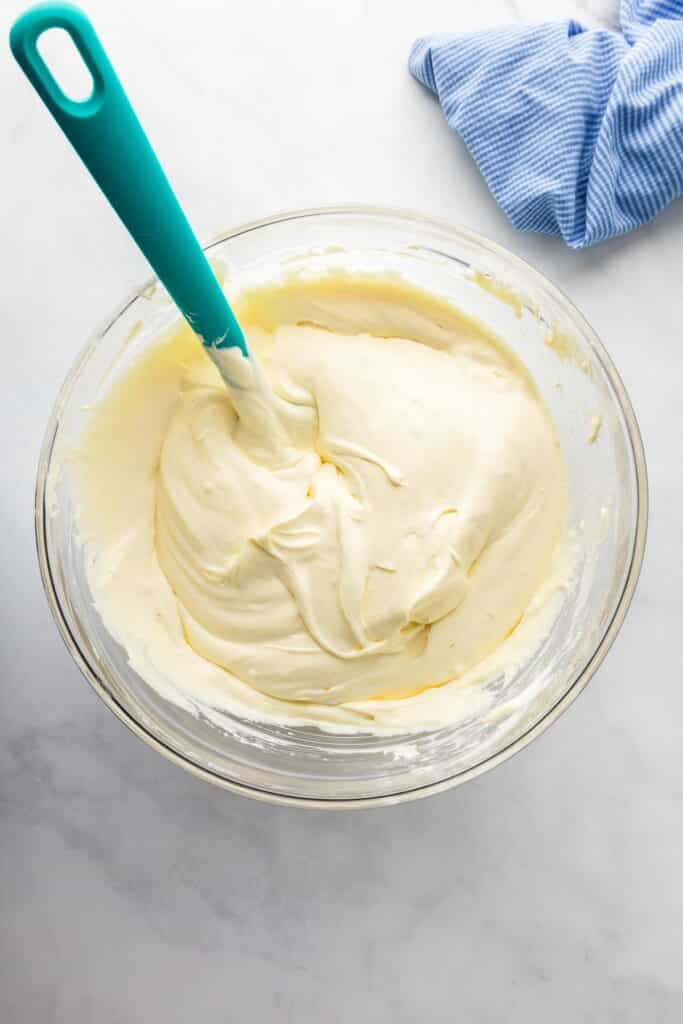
point(577, 132)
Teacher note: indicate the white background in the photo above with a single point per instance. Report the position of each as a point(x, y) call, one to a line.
point(548, 890)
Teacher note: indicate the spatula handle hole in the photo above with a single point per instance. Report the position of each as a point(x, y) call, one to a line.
point(66, 65)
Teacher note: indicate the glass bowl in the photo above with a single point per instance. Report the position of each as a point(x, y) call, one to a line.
point(605, 463)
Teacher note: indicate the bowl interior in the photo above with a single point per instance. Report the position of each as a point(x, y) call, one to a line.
point(603, 455)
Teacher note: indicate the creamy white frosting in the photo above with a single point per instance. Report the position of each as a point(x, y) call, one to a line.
point(365, 515)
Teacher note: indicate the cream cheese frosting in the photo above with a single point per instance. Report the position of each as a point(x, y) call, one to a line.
point(364, 516)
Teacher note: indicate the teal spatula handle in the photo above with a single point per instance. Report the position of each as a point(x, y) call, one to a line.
point(109, 139)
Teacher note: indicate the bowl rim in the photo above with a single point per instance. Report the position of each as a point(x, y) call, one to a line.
point(583, 677)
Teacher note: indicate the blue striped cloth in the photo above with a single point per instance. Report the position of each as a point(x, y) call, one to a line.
point(577, 132)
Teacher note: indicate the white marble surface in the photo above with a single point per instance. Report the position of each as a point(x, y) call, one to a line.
point(548, 890)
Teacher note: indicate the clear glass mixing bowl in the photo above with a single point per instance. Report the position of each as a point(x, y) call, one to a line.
point(608, 515)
